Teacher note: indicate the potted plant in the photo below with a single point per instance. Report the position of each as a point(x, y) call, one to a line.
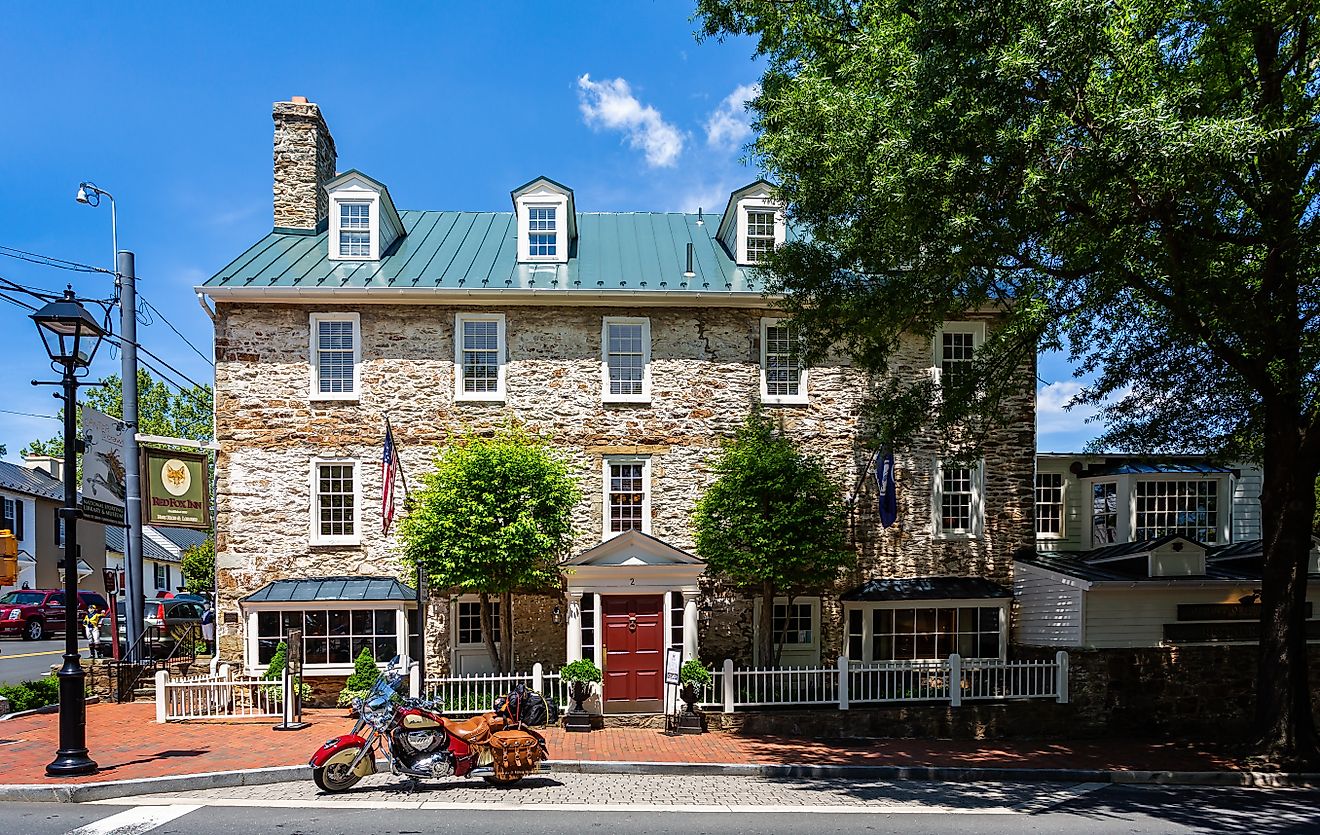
point(365, 675)
point(693, 680)
point(580, 675)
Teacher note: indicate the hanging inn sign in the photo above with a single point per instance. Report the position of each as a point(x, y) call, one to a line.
point(175, 489)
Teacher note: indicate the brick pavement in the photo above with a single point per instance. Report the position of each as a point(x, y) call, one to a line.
point(127, 743)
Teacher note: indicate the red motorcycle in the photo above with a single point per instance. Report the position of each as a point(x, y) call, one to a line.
point(420, 743)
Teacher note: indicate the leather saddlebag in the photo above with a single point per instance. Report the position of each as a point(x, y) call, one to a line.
point(515, 753)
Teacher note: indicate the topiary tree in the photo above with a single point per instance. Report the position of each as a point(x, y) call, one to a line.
point(493, 518)
point(365, 675)
point(771, 523)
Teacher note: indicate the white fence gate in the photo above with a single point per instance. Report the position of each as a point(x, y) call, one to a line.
point(221, 695)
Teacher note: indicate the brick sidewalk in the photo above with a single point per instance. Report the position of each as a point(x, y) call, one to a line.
point(127, 743)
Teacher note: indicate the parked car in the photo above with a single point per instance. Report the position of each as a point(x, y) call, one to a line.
point(167, 622)
point(36, 613)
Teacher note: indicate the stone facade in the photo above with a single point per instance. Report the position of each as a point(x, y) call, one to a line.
point(304, 161)
point(705, 378)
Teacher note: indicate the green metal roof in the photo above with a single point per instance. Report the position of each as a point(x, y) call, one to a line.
point(636, 252)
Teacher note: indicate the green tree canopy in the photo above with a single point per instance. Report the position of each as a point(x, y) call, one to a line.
point(161, 411)
point(1133, 180)
point(493, 518)
point(772, 522)
point(199, 567)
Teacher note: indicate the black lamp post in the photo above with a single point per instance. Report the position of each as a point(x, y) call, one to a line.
point(71, 337)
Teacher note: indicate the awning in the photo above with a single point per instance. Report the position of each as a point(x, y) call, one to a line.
point(928, 588)
point(338, 589)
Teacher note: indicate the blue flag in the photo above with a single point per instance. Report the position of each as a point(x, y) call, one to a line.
point(884, 483)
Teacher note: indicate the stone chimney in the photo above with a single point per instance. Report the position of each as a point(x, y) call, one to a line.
point(49, 465)
point(304, 163)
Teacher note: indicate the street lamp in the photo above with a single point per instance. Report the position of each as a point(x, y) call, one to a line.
point(89, 194)
point(71, 337)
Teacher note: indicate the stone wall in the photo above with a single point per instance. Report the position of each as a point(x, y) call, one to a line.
point(304, 162)
point(705, 378)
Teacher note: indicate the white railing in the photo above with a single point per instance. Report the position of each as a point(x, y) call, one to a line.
point(476, 692)
point(899, 681)
point(982, 679)
point(766, 686)
point(222, 696)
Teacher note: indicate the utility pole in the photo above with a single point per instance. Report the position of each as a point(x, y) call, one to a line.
point(125, 268)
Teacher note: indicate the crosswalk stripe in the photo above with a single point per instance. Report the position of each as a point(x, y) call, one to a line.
point(135, 821)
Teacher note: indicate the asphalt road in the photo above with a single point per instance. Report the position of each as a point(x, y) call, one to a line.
point(915, 808)
point(25, 660)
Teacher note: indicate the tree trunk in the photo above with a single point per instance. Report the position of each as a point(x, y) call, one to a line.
point(506, 631)
point(488, 634)
point(1284, 721)
point(765, 629)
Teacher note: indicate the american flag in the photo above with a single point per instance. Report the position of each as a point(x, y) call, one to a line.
point(389, 469)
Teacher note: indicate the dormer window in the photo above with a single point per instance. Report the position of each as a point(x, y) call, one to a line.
point(542, 236)
point(547, 224)
point(760, 236)
point(355, 229)
point(752, 226)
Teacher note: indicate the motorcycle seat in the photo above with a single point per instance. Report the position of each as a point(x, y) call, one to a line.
point(475, 729)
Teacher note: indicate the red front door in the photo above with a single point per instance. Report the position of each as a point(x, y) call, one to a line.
point(634, 650)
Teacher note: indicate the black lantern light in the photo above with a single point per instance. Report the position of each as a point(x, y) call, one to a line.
point(69, 332)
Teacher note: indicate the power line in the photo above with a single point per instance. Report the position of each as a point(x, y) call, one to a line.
point(185, 339)
point(28, 414)
point(49, 261)
point(120, 341)
point(15, 301)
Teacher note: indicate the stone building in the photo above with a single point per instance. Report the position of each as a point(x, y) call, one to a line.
point(638, 342)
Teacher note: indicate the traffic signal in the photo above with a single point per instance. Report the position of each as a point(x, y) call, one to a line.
point(8, 558)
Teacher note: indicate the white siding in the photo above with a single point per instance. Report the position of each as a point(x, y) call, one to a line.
point(1050, 607)
point(1135, 617)
point(1246, 505)
point(1072, 508)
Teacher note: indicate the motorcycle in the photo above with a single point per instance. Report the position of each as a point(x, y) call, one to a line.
point(420, 743)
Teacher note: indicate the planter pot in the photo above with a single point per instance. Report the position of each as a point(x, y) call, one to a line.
point(690, 720)
point(576, 720)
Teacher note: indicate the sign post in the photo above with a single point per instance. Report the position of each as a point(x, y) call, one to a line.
point(293, 664)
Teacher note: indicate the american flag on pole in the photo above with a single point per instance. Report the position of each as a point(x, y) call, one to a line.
point(389, 470)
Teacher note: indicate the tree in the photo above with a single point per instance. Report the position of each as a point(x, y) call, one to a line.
point(199, 567)
point(771, 522)
point(1136, 181)
point(493, 518)
point(161, 411)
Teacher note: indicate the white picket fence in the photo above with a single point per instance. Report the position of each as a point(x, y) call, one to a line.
point(217, 695)
point(476, 692)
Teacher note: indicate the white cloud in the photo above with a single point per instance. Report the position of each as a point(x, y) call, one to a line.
point(611, 104)
point(1055, 419)
point(729, 125)
point(709, 198)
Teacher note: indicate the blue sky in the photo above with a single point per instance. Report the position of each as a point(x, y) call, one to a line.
point(168, 108)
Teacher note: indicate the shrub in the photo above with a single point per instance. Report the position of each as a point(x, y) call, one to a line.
point(31, 694)
point(365, 675)
point(692, 672)
point(583, 670)
point(275, 672)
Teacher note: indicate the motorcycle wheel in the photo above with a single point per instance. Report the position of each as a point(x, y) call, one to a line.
point(334, 777)
point(503, 781)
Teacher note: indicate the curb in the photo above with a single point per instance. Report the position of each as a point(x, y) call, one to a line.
point(55, 708)
point(85, 792)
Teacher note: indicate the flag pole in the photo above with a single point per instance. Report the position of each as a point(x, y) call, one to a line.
point(419, 649)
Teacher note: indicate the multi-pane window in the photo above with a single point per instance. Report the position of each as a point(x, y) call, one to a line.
point(791, 624)
point(335, 512)
point(781, 366)
point(1104, 513)
point(956, 349)
point(469, 622)
point(588, 612)
point(627, 351)
point(541, 234)
point(335, 350)
point(676, 620)
point(957, 496)
point(760, 236)
point(162, 575)
point(933, 632)
point(1188, 508)
point(355, 229)
point(330, 636)
point(856, 634)
point(626, 495)
point(11, 516)
point(481, 355)
point(1049, 504)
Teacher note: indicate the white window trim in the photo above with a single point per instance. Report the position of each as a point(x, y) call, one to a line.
point(543, 199)
point(315, 527)
point(868, 623)
point(977, 529)
point(606, 533)
point(373, 227)
point(757, 205)
point(251, 646)
point(780, 399)
point(503, 357)
point(605, 396)
point(313, 359)
point(976, 329)
point(1223, 500)
point(1063, 505)
point(809, 649)
point(473, 598)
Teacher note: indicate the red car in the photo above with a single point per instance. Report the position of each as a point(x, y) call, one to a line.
point(36, 613)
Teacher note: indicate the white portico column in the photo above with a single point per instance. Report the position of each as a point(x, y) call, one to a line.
point(574, 652)
point(689, 625)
